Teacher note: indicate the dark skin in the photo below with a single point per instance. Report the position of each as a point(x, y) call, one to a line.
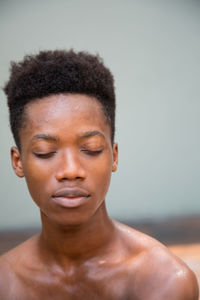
point(67, 158)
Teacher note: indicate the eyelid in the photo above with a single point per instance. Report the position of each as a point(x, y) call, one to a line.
point(88, 150)
point(90, 147)
point(92, 152)
point(44, 155)
point(93, 144)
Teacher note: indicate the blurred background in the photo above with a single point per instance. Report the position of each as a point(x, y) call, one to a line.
point(153, 50)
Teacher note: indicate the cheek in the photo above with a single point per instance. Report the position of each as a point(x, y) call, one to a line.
point(36, 171)
point(37, 180)
point(101, 176)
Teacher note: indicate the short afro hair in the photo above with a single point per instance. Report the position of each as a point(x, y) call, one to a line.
point(54, 72)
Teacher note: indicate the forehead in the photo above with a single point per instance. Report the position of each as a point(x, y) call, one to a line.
point(73, 112)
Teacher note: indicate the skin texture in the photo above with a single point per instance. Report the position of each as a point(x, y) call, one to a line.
point(67, 159)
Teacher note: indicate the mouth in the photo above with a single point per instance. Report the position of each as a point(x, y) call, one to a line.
point(70, 197)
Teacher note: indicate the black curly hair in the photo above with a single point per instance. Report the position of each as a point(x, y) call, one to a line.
point(55, 72)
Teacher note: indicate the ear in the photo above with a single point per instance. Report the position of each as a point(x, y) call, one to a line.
point(16, 162)
point(115, 157)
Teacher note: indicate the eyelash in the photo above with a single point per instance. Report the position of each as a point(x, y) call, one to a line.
point(50, 154)
point(44, 155)
point(89, 152)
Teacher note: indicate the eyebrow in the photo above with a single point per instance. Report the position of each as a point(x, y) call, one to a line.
point(46, 137)
point(89, 134)
point(51, 138)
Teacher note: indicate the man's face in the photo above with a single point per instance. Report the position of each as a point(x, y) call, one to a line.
point(66, 156)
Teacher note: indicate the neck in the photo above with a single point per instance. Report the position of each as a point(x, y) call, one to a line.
point(77, 242)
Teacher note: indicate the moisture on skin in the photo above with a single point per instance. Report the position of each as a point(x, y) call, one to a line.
point(67, 159)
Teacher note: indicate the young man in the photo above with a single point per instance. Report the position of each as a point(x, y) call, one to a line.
point(62, 115)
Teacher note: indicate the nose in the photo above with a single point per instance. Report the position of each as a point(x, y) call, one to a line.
point(70, 167)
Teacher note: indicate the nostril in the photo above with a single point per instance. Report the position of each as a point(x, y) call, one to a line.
point(63, 175)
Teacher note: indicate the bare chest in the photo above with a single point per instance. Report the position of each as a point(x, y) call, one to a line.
point(95, 285)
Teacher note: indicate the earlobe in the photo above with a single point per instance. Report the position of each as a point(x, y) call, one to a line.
point(115, 157)
point(16, 162)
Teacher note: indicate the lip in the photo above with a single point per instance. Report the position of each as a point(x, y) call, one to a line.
point(70, 197)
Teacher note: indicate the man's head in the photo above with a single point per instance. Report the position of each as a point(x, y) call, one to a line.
point(62, 111)
point(58, 72)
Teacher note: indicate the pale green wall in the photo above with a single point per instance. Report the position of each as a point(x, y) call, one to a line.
point(153, 50)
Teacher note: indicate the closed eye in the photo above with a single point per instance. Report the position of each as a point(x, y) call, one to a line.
point(44, 155)
point(90, 152)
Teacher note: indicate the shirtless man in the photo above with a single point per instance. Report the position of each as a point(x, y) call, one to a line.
point(62, 115)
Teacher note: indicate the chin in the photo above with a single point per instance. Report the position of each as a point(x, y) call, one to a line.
point(71, 220)
point(70, 217)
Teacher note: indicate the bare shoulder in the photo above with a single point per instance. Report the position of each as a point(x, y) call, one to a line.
point(158, 273)
point(6, 277)
point(12, 264)
point(8, 281)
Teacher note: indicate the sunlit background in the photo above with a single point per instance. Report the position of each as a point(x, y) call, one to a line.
point(153, 49)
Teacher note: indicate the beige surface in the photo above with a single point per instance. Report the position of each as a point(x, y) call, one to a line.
point(190, 254)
